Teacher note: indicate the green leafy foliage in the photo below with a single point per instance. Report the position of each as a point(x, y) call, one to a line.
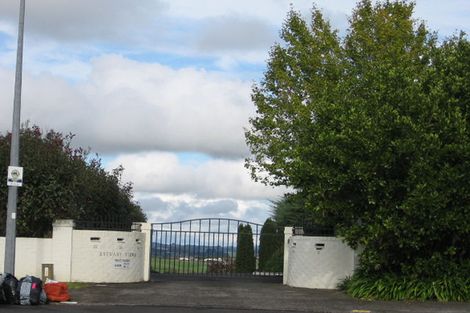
point(373, 130)
point(275, 263)
point(394, 287)
point(290, 210)
point(270, 244)
point(245, 261)
point(61, 182)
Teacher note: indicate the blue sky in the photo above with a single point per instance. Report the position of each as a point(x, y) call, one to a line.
point(163, 88)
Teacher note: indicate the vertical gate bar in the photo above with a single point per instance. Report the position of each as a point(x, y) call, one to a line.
point(157, 251)
point(175, 250)
point(209, 246)
point(161, 258)
point(211, 251)
point(195, 257)
point(229, 257)
point(198, 252)
point(171, 248)
point(234, 253)
point(179, 249)
point(152, 249)
point(199, 247)
point(204, 253)
point(238, 227)
point(218, 251)
point(186, 253)
point(190, 258)
point(214, 250)
point(175, 247)
point(256, 248)
point(224, 263)
point(161, 249)
point(213, 256)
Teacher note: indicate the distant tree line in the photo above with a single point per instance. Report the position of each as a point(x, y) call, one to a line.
point(63, 182)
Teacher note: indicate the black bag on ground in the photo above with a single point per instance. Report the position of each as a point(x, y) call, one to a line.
point(8, 286)
point(30, 291)
point(3, 297)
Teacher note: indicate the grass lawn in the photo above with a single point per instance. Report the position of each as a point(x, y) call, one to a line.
point(163, 265)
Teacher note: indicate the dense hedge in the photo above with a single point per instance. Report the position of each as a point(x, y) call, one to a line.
point(63, 182)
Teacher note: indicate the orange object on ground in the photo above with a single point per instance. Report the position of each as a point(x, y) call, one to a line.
point(57, 292)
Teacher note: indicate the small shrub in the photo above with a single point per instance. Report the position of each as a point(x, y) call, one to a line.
point(215, 267)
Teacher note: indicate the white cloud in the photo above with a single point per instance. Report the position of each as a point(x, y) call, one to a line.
point(172, 208)
point(164, 173)
point(85, 20)
point(169, 189)
point(133, 106)
point(224, 33)
point(272, 11)
point(234, 33)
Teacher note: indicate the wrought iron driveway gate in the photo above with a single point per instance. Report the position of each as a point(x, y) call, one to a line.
point(201, 247)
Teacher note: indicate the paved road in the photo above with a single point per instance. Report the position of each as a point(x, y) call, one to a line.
point(120, 309)
point(227, 296)
point(245, 296)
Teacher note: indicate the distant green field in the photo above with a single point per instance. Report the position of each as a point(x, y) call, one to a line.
point(162, 265)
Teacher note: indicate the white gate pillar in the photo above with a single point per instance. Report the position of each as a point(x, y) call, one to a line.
point(146, 228)
point(62, 240)
point(288, 231)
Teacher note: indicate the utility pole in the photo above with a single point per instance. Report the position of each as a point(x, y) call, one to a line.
point(10, 239)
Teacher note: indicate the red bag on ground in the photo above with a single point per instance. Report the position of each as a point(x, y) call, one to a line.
point(57, 292)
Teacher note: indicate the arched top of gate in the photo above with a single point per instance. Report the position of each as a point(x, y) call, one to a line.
point(219, 225)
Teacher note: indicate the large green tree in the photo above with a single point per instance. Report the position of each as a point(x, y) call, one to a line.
point(373, 130)
point(62, 182)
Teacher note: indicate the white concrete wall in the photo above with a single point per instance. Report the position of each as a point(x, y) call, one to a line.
point(317, 262)
point(108, 256)
point(85, 256)
point(31, 253)
point(62, 235)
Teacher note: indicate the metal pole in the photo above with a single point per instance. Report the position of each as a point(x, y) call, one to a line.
point(10, 238)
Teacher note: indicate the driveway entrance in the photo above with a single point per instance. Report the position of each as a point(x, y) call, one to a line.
point(203, 248)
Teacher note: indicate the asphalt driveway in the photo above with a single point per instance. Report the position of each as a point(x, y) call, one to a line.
point(244, 295)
